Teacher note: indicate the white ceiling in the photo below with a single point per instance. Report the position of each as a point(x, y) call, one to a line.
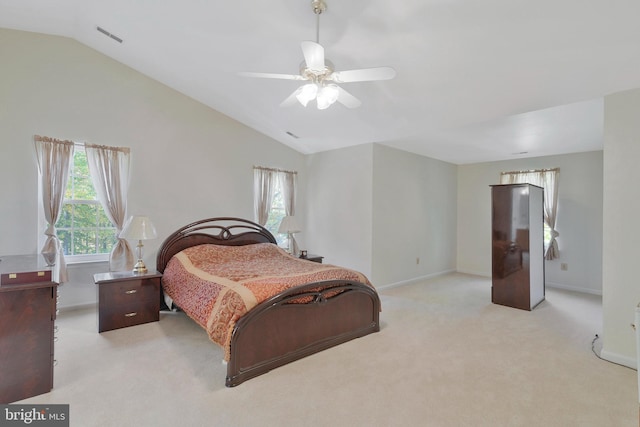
point(476, 80)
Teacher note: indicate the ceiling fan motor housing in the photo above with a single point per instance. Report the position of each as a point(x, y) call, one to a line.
point(318, 6)
point(317, 75)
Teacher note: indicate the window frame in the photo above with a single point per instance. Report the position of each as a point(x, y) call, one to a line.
point(76, 258)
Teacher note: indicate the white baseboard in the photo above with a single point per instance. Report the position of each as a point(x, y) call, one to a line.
point(475, 273)
point(573, 288)
point(76, 307)
point(619, 359)
point(484, 274)
point(415, 280)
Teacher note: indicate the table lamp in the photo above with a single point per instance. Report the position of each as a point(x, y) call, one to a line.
point(138, 228)
point(289, 225)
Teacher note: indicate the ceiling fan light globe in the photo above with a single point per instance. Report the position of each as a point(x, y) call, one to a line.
point(331, 92)
point(326, 96)
point(307, 93)
point(323, 103)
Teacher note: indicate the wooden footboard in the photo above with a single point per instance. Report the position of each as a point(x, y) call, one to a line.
point(281, 330)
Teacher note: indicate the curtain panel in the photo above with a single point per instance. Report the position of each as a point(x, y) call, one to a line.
point(548, 180)
point(264, 181)
point(53, 157)
point(288, 183)
point(109, 170)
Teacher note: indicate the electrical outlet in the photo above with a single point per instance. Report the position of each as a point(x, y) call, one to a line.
point(564, 266)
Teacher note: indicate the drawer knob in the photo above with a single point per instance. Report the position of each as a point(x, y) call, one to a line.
point(132, 291)
point(131, 314)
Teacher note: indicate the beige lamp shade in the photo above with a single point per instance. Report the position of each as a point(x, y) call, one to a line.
point(289, 225)
point(138, 228)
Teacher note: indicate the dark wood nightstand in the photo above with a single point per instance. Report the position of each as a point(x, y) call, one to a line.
point(127, 299)
point(314, 258)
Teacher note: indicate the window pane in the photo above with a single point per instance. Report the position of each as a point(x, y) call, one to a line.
point(276, 214)
point(85, 215)
point(103, 221)
point(84, 242)
point(547, 236)
point(68, 194)
point(65, 240)
point(83, 186)
point(106, 240)
point(66, 217)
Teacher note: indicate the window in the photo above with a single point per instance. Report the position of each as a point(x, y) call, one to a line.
point(274, 198)
point(84, 231)
point(276, 213)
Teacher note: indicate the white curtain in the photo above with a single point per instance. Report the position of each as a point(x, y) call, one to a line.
point(109, 170)
point(54, 157)
point(548, 180)
point(264, 181)
point(288, 182)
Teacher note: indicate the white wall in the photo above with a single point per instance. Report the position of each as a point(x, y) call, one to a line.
point(621, 287)
point(414, 216)
point(188, 161)
point(376, 209)
point(339, 195)
point(579, 218)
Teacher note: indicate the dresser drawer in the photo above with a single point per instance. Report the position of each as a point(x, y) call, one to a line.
point(129, 291)
point(115, 317)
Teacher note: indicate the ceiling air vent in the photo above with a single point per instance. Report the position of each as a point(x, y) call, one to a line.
point(108, 34)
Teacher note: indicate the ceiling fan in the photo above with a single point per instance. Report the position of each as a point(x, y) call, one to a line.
point(321, 75)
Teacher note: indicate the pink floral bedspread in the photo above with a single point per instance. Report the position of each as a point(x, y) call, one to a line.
point(216, 285)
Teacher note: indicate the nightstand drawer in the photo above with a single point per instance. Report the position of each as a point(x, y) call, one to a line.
point(127, 299)
point(127, 315)
point(130, 291)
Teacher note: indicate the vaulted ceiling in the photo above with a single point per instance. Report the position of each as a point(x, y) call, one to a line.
point(476, 81)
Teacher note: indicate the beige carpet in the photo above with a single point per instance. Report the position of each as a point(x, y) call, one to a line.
point(445, 356)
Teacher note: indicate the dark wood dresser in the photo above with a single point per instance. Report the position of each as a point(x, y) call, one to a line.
point(28, 297)
point(127, 299)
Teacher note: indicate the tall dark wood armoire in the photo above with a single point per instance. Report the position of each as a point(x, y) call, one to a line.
point(517, 245)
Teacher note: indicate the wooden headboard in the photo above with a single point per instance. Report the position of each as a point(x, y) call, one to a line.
point(219, 231)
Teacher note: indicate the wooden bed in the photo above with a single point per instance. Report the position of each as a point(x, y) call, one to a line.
point(280, 329)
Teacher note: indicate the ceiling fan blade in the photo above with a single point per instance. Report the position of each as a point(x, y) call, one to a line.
point(363, 75)
point(313, 55)
point(348, 100)
point(271, 75)
point(291, 99)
